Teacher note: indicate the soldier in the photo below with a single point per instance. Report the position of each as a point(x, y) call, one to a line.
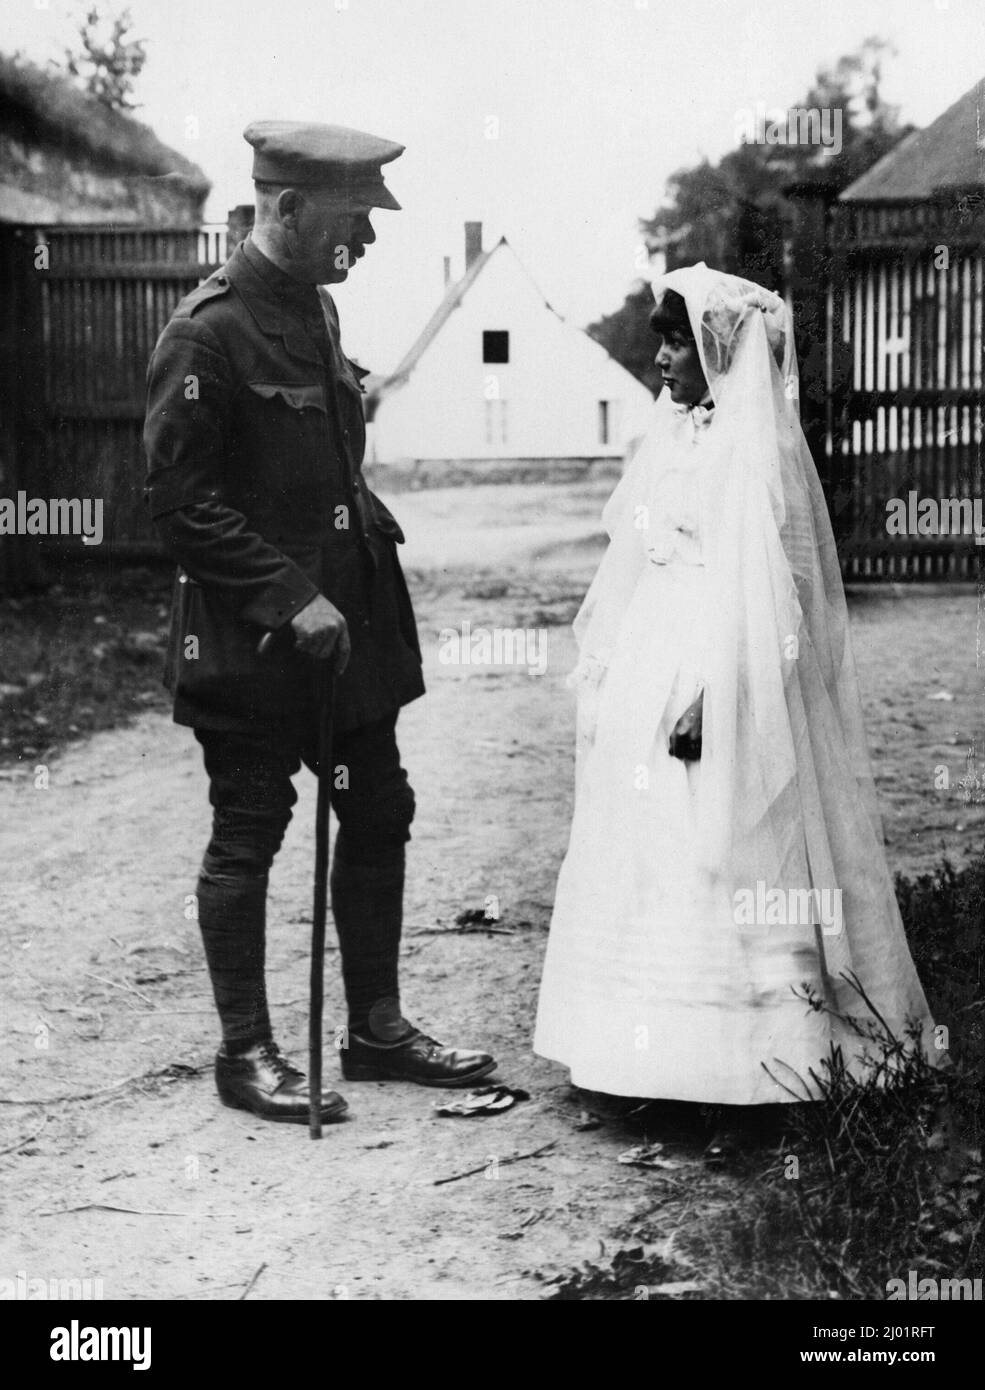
point(255, 438)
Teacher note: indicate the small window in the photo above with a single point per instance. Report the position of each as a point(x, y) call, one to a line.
point(604, 423)
point(495, 345)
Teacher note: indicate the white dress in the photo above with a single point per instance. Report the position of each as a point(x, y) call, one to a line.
point(650, 988)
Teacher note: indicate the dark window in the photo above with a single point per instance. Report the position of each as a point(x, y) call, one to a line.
point(495, 345)
point(604, 423)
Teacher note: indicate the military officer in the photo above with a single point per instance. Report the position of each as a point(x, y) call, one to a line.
point(255, 437)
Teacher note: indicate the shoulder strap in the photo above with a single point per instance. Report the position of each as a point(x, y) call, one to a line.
point(214, 287)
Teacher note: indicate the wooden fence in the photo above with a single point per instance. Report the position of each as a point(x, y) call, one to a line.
point(82, 309)
point(897, 294)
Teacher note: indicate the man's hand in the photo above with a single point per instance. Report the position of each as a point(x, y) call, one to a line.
point(685, 737)
point(321, 630)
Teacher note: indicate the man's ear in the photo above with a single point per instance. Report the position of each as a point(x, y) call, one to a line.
point(288, 206)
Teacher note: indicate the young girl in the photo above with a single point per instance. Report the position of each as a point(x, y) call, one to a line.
point(726, 852)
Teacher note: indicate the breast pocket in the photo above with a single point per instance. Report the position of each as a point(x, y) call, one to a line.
point(286, 445)
point(297, 397)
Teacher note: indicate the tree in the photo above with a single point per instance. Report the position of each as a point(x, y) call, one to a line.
point(107, 65)
point(732, 214)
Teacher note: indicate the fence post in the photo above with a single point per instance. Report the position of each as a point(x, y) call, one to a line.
point(809, 259)
point(806, 279)
point(21, 568)
point(239, 223)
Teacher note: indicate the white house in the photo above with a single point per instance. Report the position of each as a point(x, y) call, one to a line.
point(497, 374)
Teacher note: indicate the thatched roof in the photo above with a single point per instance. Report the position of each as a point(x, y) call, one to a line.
point(944, 157)
point(43, 106)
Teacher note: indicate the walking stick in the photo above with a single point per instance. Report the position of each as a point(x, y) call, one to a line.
point(326, 709)
point(325, 678)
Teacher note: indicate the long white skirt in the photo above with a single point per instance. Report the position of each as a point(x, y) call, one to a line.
point(650, 988)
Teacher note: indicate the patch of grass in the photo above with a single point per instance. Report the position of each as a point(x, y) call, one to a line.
point(884, 1173)
point(944, 916)
point(83, 656)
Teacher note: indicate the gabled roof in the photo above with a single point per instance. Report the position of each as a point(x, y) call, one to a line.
point(379, 386)
point(453, 297)
point(946, 155)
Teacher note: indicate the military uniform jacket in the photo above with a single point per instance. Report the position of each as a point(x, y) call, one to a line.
point(255, 437)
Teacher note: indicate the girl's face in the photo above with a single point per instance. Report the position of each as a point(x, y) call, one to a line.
point(677, 358)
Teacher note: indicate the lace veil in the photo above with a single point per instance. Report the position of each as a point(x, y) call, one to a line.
point(785, 793)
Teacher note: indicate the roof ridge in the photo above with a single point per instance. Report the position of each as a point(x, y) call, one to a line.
point(450, 301)
point(452, 298)
point(937, 157)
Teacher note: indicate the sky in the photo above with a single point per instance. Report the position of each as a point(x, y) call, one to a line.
point(553, 122)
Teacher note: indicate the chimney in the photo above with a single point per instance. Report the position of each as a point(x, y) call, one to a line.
point(447, 271)
point(473, 243)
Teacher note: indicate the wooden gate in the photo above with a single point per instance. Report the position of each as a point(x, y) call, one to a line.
point(81, 311)
point(901, 418)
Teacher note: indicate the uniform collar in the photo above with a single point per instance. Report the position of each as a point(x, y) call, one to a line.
point(281, 306)
point(294, 293)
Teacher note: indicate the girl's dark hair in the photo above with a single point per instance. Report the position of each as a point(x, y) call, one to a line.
point(670, 315)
